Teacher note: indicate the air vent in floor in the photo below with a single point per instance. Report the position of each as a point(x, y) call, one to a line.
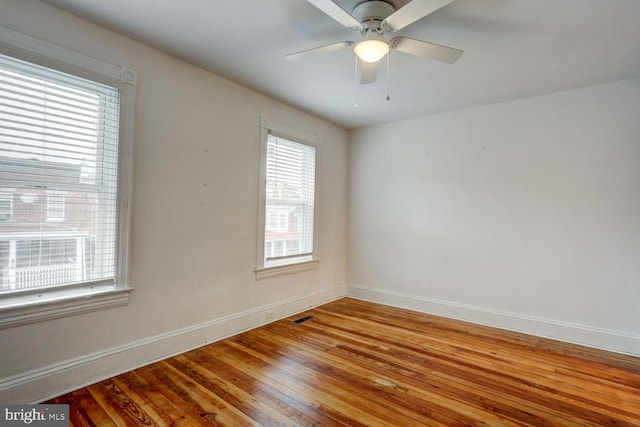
point(303, 319)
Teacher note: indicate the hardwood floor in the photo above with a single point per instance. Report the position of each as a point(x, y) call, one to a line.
point(362, 364)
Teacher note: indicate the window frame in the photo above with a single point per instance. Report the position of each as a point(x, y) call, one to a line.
point(53, 207)
point(268, 127)
point(34, 305)
point(8, 192)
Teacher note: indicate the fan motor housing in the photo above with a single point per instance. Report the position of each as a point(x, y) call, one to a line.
point(372, 11)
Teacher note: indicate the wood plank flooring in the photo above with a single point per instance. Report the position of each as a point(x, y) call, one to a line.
point(362, 364)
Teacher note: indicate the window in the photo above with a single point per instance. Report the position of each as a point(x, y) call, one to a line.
point(55, 206)
point(65, 151)
point(288, 203)
point(6, 206)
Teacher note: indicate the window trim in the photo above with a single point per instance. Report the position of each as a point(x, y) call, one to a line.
point(269, 127)
point(45, 304)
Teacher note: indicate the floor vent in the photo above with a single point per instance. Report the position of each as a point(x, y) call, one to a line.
point(303, 319)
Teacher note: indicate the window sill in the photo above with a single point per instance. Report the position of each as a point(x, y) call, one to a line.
point(17, 310)
point(279, 270)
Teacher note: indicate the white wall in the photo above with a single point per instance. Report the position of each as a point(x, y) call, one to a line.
point(524, 215)
point(194, 220)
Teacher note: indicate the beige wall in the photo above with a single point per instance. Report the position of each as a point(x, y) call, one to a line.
point(193, 240)
point(522, 214)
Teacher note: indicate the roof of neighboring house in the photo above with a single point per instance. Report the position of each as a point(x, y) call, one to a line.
point(32, 169)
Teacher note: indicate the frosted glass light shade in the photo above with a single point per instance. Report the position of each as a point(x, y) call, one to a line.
point(372, 49)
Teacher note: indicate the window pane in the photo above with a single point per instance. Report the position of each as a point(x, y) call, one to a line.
point(55, 207)
point(58, 154)
point(290, 199)
point(6, 206)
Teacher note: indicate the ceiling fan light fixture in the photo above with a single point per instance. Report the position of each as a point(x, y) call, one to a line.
point(372, 49)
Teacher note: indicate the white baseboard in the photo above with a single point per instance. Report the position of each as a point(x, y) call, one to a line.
point(50, 381)
point(619, 342)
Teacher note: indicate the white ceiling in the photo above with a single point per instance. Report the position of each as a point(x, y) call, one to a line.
point(513, 49)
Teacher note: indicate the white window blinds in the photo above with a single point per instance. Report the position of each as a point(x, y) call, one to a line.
point(290, 201)
point(59, 157)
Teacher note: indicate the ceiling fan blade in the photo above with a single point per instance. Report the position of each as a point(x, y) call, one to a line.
point(322, 49)
point(412, 11)
point(426, 49)
point(369, 72)
point(337, 13)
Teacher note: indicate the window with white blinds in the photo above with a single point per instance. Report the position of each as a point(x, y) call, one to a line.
point(288, 232)
point(59, 163)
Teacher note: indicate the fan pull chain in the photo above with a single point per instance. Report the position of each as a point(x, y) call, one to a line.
point(388, 79)
point(355, 84)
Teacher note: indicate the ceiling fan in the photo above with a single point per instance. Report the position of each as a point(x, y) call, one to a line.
point(373, 20)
